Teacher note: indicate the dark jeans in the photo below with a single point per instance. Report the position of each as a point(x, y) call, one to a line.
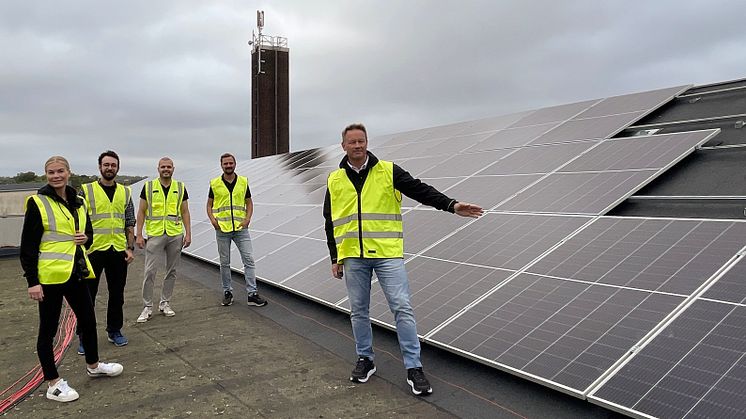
point(79, 300)
point(113, 264)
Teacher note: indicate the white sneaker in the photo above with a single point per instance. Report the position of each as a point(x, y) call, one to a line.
point(166, 310)
point(105, 369)
point(62, 392)
point(145, 315)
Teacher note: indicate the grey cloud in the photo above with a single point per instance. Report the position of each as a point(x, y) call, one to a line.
point(172, 77)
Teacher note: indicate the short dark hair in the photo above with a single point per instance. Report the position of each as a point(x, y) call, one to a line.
point(108, 153)
point(355, 126)
point(225, 155)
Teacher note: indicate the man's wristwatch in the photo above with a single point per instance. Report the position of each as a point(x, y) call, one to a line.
point(130, 247)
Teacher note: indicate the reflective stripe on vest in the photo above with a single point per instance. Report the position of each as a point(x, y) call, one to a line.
point(228, 207)
point(164, 213)
point(107, 216)
point(57, 247)
point(367, 225)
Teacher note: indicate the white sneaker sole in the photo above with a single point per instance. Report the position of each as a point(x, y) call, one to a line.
point(367, 377)
point(419, 393)
point(63, 399)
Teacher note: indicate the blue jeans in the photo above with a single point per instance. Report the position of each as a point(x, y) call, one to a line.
point(243, 244)
point(358, 273)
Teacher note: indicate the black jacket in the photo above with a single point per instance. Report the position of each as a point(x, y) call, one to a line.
point(33, 229)
point(403, 182)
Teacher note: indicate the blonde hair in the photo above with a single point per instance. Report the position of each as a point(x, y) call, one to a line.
point(57, 159)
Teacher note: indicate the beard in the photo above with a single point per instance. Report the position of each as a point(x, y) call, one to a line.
point(108, 175)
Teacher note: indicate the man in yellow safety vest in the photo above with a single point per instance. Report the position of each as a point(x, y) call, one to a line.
point(363, 223)
point(113, 218)
point(164, 213)
point(229, 208)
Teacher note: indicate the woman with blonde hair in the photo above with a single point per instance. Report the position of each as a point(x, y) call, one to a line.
point(56, 230)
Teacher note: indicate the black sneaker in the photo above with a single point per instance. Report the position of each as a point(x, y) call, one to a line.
point(227, 298)
point(256, 300)
point(363, 370)
point(417, 381)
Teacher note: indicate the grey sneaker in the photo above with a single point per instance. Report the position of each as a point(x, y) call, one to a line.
point(147, 312)
point(227, 298)
point(255, 300)
point(166, 310)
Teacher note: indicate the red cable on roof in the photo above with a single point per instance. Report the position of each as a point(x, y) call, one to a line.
point(65, 333)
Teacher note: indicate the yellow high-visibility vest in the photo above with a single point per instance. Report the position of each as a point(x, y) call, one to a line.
point(164, 213)
point(368, 225)
point(229, 208)
point(107, 216)
point(57, 248)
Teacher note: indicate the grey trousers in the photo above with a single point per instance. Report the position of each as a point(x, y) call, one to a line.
point(156, 248)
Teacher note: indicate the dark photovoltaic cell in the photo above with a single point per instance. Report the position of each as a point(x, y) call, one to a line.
point(507, 241)
point(291, 259)
point(425, 227)
point(563, 332)
point(664, 255)
point(442, 184)
point(493, 123)
point(277, 216)
point(539, 159)
point(513, 137)
point(554, 113)
point(464, 164)
point(265, 244)
point(578, 193)
point(452, 145)
point(439, 290)
point(488, 191)
point(731, 286)
point(302, 224)
point(419, 165)
point(316, 281)
point(642, 101)
point(695, 368)
point(651, 152)
point(588, 129)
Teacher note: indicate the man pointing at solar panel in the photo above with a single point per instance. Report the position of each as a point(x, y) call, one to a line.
point(363, 223)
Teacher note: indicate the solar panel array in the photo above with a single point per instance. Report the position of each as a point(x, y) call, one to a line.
point(543, 285)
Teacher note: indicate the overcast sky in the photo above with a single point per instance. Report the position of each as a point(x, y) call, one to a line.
point(153, 78)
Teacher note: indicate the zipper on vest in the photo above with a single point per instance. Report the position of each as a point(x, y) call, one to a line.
point(230, 193)
point(360, 222)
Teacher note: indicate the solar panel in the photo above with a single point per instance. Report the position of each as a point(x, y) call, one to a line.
point(730, 287)
point(664, 255)
point(425, 228)
point(507, 241)
point(540, 286)
point(578, 193)
point(592, 128)
point(439, 290)
point(554, 113)
point(278, 266)
point(564, 333)
point(695, 368)
point(316, 282)
point(539, 159)
point(651, 152)
point(488, 191)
